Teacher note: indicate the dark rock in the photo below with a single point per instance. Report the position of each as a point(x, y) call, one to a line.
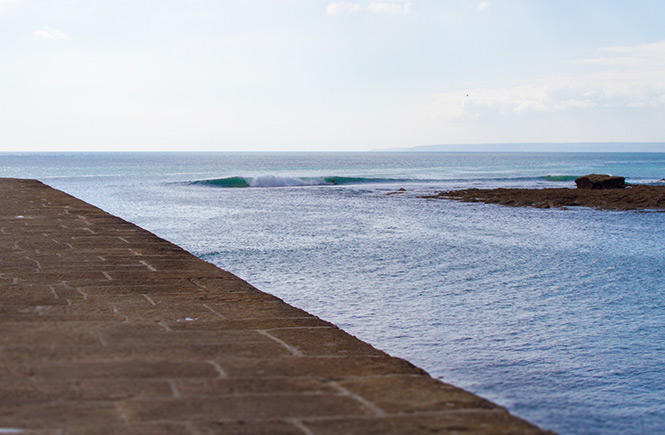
point(400, 190)
point(600, 181)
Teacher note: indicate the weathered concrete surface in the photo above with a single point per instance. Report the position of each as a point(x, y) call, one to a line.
point(106, 328)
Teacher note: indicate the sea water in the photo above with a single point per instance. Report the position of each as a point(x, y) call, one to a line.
point(558, 315)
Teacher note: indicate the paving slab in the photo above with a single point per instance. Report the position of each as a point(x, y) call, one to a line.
point(105, 328)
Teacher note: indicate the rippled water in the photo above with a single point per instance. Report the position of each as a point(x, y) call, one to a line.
point(558, 315)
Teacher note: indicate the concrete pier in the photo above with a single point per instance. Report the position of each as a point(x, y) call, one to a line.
point(107, 329)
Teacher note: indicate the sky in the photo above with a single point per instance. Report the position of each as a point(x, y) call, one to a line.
point(326, 75)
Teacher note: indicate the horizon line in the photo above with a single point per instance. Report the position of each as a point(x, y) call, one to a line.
point(511, 147)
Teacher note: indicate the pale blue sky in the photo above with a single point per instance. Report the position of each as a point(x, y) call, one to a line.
point(315, 75)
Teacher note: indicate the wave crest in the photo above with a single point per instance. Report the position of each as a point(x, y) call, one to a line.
point(556, 178)
point(287, 181)
point(277, 181)
point(283, 181)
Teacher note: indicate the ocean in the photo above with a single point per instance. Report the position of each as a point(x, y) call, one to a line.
point(556, 314)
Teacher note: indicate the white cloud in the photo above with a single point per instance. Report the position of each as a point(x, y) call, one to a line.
point(51, 33)
point(6, 2)
point(609, 61)
point(484, 5)
point(374, 7)
point(343, 7)
point(655, 48)
point(390, 8)
point(628, 78)
point(643, 55)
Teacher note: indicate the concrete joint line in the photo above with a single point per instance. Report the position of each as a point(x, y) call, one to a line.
point(149, 299)
point(366, 403)
point(196, 282)
point(39, 266)
point(220, 370)
point(300, 425)
point(240, 319)
point(84, 294)
point(294, 351)
point(55, 294)
point(406, 414)
point(498, 410)
point(101, 338)
point(221, 316)
point(342, 357)
point(299, 327)
point(174, 389)
point(285, 395)
point(389, 375)
point(447, 413)
point(146, 264)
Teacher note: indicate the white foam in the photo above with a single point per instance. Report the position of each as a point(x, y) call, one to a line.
point(277, 181)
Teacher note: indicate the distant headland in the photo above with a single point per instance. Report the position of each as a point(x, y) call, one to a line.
point(546, 147)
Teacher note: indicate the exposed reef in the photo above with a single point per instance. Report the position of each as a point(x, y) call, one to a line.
point(600, 181)
point(637, 197)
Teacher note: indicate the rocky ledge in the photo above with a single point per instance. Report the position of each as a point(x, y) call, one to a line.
point(600, 181)
point(638, 197)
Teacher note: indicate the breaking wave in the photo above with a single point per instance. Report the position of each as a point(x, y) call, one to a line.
point(281, 181)
point(559, 178)
point(286, 181)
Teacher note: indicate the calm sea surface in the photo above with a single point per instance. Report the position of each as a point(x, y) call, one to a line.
point(559, 315)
